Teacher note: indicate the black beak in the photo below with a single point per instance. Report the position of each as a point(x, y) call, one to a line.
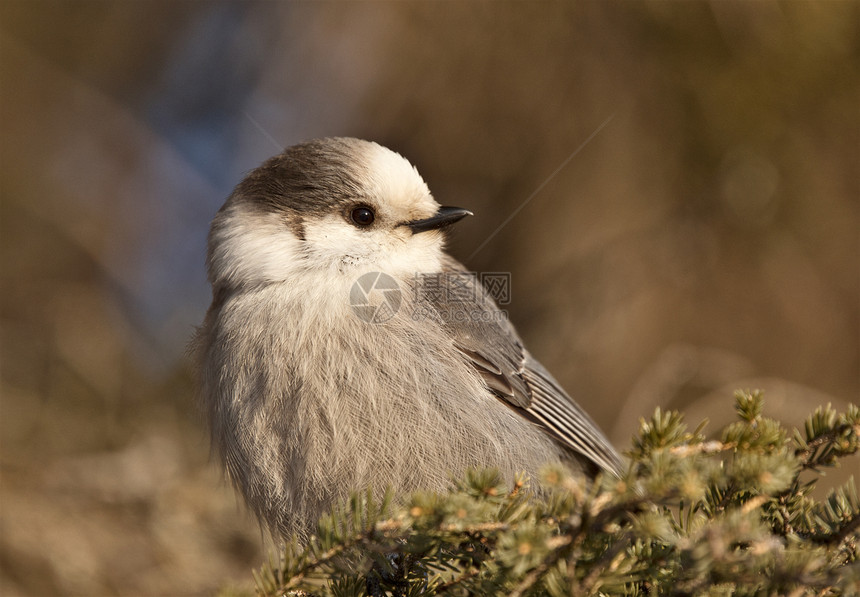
point(444, 217)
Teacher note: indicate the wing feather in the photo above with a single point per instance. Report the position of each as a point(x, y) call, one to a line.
point(494, 349)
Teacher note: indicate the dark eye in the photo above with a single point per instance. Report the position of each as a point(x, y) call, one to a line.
point(362, 216)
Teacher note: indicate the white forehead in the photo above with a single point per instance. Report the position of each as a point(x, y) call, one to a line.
point(390, 177)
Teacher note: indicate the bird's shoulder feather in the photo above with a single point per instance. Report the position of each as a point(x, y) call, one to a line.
point(483, 334)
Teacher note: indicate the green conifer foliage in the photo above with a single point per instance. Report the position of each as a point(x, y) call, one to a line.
point(690, 517)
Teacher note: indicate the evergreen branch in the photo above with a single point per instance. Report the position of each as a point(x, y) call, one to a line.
point(690, 517)
point(806, 453)
point(837, 537)
point(325, 558)
point(455, 582)
point(600, 566)
point(329, 555)
point(535, 575)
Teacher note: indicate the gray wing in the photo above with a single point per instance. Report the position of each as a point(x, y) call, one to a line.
point(493, 347)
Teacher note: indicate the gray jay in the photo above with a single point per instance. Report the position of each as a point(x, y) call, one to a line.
point(344, 349)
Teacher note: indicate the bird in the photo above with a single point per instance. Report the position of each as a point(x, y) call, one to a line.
point(345, 349)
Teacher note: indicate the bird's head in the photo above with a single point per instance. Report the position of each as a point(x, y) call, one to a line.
point(337, 207)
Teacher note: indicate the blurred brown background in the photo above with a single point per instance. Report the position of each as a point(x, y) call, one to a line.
point(686, 175)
